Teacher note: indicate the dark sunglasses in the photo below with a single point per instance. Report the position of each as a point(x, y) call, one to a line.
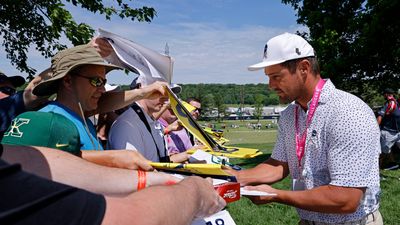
point(95, 81)
point(7, 90)
point(198, 110)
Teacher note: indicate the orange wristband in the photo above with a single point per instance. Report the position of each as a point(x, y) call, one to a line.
point(141, 176)
point(166, 131)
point(170, 182)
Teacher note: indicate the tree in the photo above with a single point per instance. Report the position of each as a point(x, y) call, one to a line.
point(272, 99)
point(356, 41)
point(42, 23)
point(206, 104)
point(259, 99)
point(219, 104)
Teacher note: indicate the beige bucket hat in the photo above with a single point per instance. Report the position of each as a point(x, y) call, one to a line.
point(67, 60)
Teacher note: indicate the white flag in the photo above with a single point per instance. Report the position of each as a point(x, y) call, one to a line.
point(149, 64)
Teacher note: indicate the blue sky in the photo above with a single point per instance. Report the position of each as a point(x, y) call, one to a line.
point(212, 41)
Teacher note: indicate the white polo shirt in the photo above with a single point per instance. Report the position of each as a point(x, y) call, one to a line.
point(129, 132)
point(342, 149)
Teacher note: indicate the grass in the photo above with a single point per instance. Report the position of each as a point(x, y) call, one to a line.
point(245, 212)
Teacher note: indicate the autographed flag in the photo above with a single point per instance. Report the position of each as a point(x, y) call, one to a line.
point(211, 145)
point(211, 170)
point(188, 122)
point(139, 59)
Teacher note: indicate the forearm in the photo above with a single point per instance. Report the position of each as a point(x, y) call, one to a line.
point(175, 204)
point(32, 101)
point(110, 101)
point(179, 157)
point(68, 169)
point(379, 120)
point(265, 173)
point(99, 157)
point(124, 159)
point(158, 114)
point(325, 199)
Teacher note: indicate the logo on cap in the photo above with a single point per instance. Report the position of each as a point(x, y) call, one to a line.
point(58, 145)
point(298, 51)
point(265, 51)
point(14, 128)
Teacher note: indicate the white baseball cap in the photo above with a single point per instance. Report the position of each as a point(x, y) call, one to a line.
point(110, 87)
point(142, 81)
point(282, 48)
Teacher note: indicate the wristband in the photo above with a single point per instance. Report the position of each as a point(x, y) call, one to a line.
point(141, 176)
point(170, 182)
point(166, 131)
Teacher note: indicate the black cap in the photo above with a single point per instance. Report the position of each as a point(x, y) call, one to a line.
point(135, 84)
point(388, 91)
point(16, 81)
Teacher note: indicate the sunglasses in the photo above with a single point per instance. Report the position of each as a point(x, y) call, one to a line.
point(95, 81)
point(198, 110)
point(7, 90)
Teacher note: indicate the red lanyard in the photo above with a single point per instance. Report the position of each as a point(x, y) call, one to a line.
point(301, 139)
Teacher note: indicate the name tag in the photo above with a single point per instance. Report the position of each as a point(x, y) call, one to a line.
point(221, 218)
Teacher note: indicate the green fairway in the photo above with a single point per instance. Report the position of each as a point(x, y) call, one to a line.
point(245, 212)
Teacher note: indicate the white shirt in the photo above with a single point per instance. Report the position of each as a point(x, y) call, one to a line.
point(129, 132)
point(342, 149)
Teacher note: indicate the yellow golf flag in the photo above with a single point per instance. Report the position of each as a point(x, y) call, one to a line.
point(217, 135)
point(206, 170)
point(194, 128)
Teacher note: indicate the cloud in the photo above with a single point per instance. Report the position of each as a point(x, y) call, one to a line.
point(210, 51)
point(207, 52)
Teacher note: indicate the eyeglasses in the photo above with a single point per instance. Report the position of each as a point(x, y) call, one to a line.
point(7, 90)
point(198, 110)
point(95, 81)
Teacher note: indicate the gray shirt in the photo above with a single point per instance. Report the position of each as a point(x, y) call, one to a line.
point(342, 149)
point(129, 132)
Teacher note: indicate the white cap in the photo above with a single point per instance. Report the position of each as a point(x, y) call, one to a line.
point(282, 48)
point(146, 80)
point(109, 87)
point(177, 89)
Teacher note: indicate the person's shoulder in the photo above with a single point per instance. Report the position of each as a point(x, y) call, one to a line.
point(128, 115)
point(288, 111)
point(343, 99)
point(54, 106)
point(12, 99)
point(127, 119)
point(347, 105)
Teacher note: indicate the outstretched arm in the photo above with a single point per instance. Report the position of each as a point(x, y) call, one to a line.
point(124, 159)
point(267, 172)
point(176, 204)
point(32, 101)
point(194, 196)
point(325, 199)
point(117, 100)
point(68, 169)
point(110, 101)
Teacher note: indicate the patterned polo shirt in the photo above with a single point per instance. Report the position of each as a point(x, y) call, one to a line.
point(342, 149)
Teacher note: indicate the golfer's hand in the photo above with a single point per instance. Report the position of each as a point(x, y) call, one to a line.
point(262, 199)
